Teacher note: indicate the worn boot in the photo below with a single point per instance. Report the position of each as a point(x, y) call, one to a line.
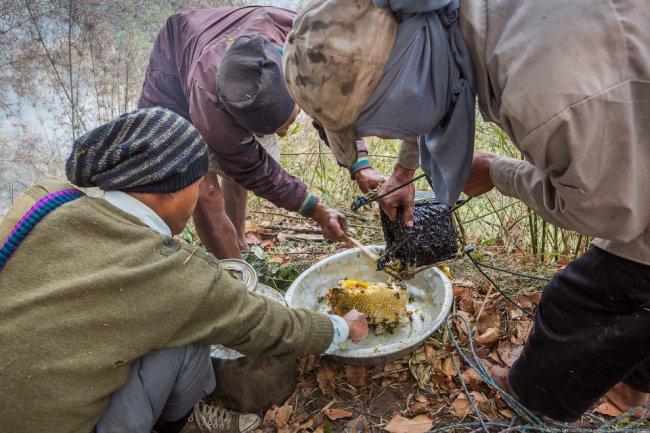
point(207, 418)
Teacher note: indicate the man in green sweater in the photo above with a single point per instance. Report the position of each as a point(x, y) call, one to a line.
point(107, 320)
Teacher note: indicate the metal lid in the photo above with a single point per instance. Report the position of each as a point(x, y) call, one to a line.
point(241, 271)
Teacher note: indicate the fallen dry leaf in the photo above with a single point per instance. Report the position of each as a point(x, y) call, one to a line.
point(250, 226)
point(307, 424)
point(471, 379)
point(419, 407)
point(494, 357)
point(307, 364)
point(357, 425)
point(509, 352)
point(253, 238)
point(461, 324)
point(276, 259)
point(515, 314)
point(334, 414)
point(278, 415)
point(460, 291)
point(489, 319)
point(266, 242)
point(283, 414)
point(466, 305)
point(399, 424)
point(522, 329)
point(488, 337)
point(528, 301)
point(442, 382)
point(326, 379)
point(420, 398)
point(463, 284)
point(392, 367)
point(356, 375)
point(461, 406)
point(448, 367)
point(608, 409)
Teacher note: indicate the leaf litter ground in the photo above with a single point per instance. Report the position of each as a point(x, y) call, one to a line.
point(422, 391)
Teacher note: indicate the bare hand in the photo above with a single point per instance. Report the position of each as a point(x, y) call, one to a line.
point(368, 179)
point(357, 324)
point(403, 198)
point(479, 181)
point(333, 222)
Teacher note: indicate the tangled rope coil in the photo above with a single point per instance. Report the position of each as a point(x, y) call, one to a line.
point(525, 420)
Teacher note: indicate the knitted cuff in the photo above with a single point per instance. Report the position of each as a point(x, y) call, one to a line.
point(322, 333)
point(308, 205)
point(361, 164)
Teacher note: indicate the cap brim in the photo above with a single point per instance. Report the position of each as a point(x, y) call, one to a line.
point(343, 145)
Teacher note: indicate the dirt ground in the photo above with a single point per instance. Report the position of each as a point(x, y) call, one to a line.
point(423, 391)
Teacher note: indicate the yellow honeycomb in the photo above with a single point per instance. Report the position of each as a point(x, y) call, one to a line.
point(382, 304)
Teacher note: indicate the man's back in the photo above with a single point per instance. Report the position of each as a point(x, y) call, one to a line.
point(192, 44)
point(570, 83)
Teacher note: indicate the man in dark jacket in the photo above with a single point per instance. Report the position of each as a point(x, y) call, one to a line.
point(222, 70)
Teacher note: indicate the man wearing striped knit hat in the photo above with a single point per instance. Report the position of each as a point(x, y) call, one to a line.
point(106, 320)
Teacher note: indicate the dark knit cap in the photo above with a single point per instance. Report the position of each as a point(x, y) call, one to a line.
point(251, 85)
point(149, 150)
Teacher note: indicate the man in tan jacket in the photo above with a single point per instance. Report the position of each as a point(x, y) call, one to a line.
point(570, 84)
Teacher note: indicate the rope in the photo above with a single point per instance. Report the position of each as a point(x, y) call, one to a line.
point(529, 421)
point(364, 200)
point(478, 264)
point(494, 268)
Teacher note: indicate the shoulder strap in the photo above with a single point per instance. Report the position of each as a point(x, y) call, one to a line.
point(37, 212)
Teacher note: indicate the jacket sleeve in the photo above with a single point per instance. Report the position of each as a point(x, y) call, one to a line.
point(253, 325)
point(362, 151)
point(409, 153)
point(592, 179)
point(246, 163)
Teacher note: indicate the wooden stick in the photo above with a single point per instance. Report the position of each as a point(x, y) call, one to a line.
point(374, 257)
point(364, 249)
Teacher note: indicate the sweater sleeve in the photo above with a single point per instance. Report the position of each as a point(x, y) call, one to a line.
point(253, 325)
point(247, 163)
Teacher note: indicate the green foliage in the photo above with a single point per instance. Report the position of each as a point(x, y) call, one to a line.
point(190, 236)
point(490, 220)
point(259, 253)
point(271, 273)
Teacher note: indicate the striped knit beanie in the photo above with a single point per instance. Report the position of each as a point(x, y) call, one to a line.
point(149, 150)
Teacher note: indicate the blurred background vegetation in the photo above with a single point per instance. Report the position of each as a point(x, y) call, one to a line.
point(67, 66)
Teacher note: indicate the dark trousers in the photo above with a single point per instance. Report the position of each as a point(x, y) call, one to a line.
point(592, 330)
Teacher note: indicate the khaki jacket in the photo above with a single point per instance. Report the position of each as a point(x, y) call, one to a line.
point(569, 81)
